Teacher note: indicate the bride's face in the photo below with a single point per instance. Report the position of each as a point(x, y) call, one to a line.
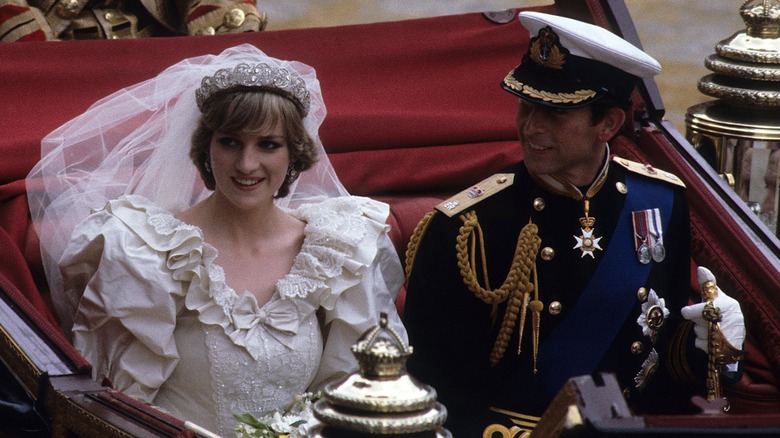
point(249, 168)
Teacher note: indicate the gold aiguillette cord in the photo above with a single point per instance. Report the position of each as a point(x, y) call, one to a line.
point(536, 317)
point(516, 287)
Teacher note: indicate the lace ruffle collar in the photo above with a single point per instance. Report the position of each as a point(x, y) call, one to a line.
point(332, 259)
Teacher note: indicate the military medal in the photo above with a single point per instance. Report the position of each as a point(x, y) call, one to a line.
point(656, 232)
point(648, 236)
point(659, 252)
point(586, 242)
point(641, 245)
point(643, 254)
point(645, 240)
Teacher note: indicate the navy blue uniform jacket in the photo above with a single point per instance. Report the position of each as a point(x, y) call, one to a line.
point(452, 332)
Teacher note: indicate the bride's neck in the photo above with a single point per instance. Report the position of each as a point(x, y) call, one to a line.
point(228, 222)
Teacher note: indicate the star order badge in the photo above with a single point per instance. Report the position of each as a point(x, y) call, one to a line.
point(586, 242)
point(653, 316)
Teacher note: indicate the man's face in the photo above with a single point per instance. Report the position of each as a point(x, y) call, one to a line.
point(561, 142)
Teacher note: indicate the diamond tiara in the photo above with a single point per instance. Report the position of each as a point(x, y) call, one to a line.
point(262, 75)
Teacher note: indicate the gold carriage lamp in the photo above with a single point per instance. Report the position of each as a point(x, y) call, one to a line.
point(739, 132)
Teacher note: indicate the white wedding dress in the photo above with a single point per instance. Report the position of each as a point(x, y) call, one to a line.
point(158, 320)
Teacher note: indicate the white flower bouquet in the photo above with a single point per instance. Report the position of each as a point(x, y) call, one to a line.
point(293, 422)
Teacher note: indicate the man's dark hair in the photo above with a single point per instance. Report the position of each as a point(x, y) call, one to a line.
point(598, 109)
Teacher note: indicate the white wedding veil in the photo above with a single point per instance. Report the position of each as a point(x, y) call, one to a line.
point(137, 141)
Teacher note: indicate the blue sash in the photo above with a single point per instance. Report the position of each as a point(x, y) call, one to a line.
point(579, 343)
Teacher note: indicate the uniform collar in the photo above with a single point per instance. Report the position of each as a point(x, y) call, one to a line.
point(562, 187)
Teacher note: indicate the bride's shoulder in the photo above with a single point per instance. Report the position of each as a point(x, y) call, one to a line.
point(351, 225)
point(137, 215)
point(343, 209)
point(343, 236)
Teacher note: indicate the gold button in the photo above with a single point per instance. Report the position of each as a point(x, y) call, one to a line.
point(502, 180)
point(68, 9)
point(207, 31)
point(621, 187)
point(539, 204)
point(234, 18)
point(555, 308)
point(637, 348)
point(641, 294)
point(547, 253)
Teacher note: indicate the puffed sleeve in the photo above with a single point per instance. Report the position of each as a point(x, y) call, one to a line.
point(366, 286)
point(129, 301)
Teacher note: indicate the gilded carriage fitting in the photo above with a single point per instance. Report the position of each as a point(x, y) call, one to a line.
point(740, 129)
point(382, 398)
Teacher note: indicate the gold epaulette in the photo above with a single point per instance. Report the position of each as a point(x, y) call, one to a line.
point(649, 171)
point(478, 192)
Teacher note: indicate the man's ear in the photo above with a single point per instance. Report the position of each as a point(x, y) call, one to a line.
point(611, 123)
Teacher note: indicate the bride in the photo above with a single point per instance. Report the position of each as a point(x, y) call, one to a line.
point(217, 276)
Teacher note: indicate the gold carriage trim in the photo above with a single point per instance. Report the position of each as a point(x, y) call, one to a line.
point(572, 98)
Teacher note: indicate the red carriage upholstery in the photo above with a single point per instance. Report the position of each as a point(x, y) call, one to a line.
point(415, 114)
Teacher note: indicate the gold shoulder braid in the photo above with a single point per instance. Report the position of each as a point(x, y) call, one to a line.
point(414, 242)
point(517, 286)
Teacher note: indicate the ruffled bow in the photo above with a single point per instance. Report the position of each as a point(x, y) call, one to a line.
point(279, 318)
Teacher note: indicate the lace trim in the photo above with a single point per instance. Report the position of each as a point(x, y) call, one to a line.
point(259, 386)
point(330, 236)
point(223, 294)
point(165, 224)
point(334, 231)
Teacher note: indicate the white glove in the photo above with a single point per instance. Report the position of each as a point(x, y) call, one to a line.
point(732, 324)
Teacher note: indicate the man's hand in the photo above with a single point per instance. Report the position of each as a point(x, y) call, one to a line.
point(732, 323)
